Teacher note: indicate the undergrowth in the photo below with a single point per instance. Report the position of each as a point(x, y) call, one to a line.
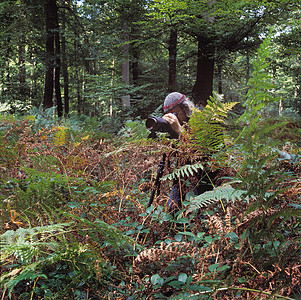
point(75, 222)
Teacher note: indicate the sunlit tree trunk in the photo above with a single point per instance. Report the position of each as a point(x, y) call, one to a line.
point(297, 103)
point(65, 67)
point(125, 67)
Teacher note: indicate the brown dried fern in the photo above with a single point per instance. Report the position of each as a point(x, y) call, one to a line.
point(165, 254)
point(228, 227)
point(216, 224)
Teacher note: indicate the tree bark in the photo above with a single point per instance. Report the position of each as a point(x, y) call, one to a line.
point(52, 77)
point(135, 65)
point(64, 67)
point(220, 80)
point(203, 86)
point(172, 51)
point(50, 25)
point(57, 66)
point(22, 69)
point(125, 67)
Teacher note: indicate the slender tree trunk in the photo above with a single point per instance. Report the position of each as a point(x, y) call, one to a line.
point(22, 69)
point(135, 65)
point(64, 66)
point(52, 78)
point(203, 86)
point(125, 67)
point(172, 51)
point(220, 80)
point(57, 86)
point(297, 104)
point(78, 91)
point(112, 85)
point(83, 91)
point(296, 92)
point(50, 8)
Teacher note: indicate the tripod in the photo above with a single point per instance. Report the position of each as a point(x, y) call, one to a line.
point(157, 181)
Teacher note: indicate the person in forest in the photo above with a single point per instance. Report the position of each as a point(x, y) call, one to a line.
point(177, 108)
point(177, 111)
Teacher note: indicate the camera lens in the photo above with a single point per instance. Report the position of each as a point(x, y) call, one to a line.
point(151, 122)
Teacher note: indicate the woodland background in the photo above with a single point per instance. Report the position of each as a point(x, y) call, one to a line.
point(78, 80)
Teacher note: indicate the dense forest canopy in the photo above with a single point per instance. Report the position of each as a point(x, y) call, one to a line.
point(103, 57)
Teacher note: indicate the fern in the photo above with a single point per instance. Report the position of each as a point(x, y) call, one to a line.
point(60, 136)
point(187, 170)
point(111, 235)
point(207, 130)
point(31, 248)
point(225, 192)
point(36, 250)
point(24, 244)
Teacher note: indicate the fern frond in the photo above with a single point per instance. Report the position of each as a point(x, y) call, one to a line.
point(111, 235)
point(216, 224)
point(25, 244)
point(228, 219)
point(207, 126)
point(225, 192)
point(187, 170)
point(60, 136)
point(11, 279)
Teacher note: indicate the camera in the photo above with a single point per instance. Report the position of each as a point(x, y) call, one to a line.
point(155, 124)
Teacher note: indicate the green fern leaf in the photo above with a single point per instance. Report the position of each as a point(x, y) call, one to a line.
point(24, 244)
point(186, 170)
point(111, 235)
point(206, 126)
point(225, 192)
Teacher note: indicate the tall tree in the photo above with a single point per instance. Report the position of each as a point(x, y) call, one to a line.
point(64, 65)
point(172, 61)
point(52, 77)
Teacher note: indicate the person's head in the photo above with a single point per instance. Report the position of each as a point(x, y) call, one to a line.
point(179, 104)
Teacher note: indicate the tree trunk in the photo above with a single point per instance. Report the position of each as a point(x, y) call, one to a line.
point(203, 86)
point(125, 67)
point(297, 94)
point(57, 67)
point(50, 8)
point(172, 51)
point(135, 65)
point(64, 66)
point(220, 81)
point(52, 57)
point(22, 69)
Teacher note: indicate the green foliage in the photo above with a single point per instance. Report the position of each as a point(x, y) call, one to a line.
point(207, 126)
point(50, 188)
point(255, 137)
point(259, 174)
point(225, 192)
point(58, 267)
point(187, 170)
point(109, 233)
point(134, 130)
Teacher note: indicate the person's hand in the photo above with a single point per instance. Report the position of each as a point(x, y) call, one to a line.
point(174, 122)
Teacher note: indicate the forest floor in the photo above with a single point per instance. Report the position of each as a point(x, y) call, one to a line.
point(75, 222)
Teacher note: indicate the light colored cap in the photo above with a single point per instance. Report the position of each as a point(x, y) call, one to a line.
point(172, 100)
